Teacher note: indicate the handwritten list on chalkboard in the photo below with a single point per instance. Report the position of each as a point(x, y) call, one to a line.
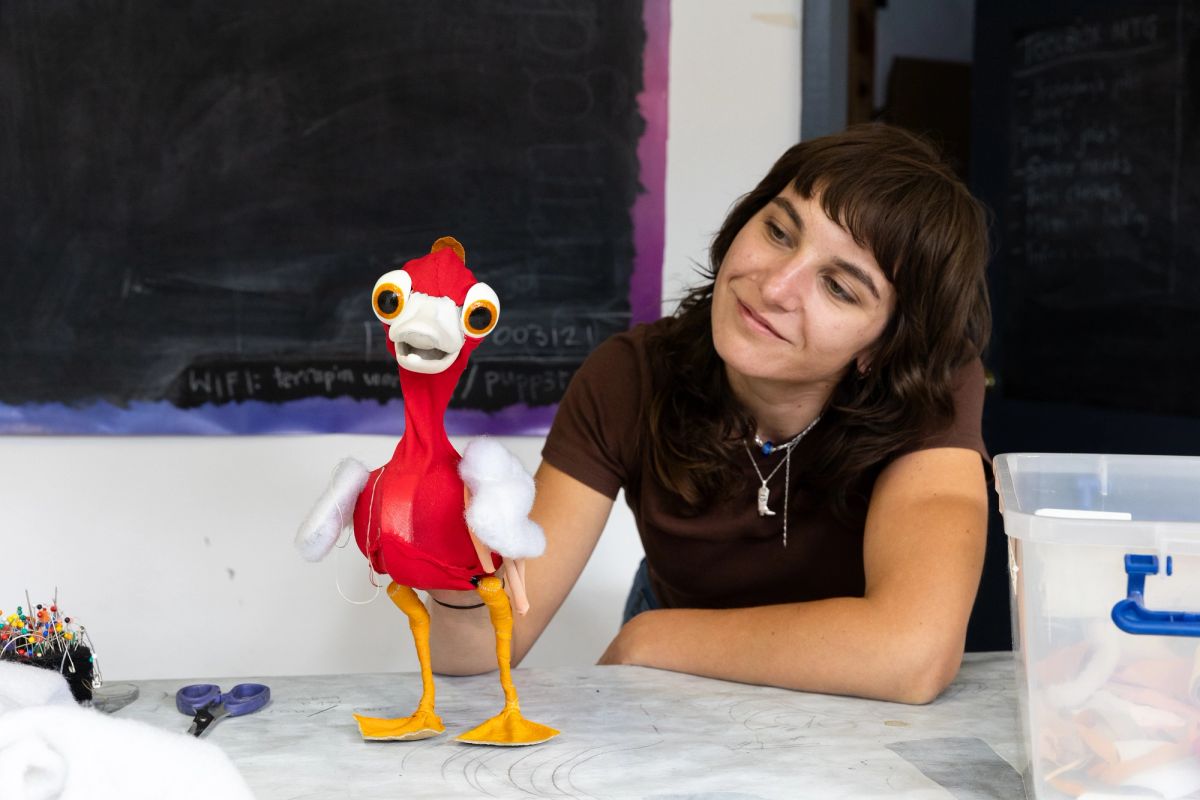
point(196, 199)
point(1103, 213)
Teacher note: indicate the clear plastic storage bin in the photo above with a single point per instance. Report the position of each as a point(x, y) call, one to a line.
point(1104, 562)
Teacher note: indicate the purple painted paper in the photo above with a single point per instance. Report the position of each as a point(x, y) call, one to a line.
point(341, 415)
point(649, 211)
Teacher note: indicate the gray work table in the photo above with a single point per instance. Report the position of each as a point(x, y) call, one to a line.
point(627, 732)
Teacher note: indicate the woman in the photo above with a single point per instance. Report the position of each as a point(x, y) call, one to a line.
point(800, 443)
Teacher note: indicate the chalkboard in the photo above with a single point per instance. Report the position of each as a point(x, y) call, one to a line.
point(1099, 256)
point(196, 199)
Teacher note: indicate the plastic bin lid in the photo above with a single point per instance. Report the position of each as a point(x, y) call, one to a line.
point(1130, 501)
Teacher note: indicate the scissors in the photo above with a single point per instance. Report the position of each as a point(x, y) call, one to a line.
point(207, 704)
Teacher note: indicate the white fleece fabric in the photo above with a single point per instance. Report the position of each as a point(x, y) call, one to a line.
point(22, 685)
point(501, 496)
point(53, 749)
point(321, 528)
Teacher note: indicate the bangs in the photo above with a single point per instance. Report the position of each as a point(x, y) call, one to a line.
point(888, 205)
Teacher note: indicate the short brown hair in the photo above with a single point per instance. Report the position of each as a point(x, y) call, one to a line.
point(896, 196)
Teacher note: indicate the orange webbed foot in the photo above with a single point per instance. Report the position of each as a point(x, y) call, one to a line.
point(421, 725)
point(509, 729)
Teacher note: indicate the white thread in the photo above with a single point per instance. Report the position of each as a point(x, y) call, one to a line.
point(342, 540)
point(370, 516)
point(337, 557)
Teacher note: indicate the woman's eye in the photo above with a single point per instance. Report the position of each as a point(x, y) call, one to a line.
point(776, 233)
point(837, 290)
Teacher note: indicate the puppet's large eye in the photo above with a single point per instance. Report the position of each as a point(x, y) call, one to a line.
point(480, 311)
point(390, 294)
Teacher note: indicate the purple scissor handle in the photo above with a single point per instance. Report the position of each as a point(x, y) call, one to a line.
point(207, 704)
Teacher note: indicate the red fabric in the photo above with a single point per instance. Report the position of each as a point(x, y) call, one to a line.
point(409, 518)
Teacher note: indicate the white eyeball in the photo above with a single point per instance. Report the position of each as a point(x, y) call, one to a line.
point(480, 311)
point(390, 295)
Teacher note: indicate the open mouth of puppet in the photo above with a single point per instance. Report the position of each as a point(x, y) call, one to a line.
point(424, 353)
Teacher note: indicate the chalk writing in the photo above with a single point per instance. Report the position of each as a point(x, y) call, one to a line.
point(1045, 46)
point(487, 385)
point(330, 379)
point(1087, 180)
point(558, 337)
point(1054, 47)
point(533, 388)
point(199, 385)
point(232, 384)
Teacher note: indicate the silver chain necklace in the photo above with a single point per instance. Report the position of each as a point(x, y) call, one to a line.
point(764, 492)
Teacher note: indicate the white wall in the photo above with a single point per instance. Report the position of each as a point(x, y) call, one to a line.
point(176, 552)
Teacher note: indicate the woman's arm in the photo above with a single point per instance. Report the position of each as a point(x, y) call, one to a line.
point(903, 640)
point(462, 642)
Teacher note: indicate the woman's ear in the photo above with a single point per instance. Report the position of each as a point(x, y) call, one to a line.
point(864, 360)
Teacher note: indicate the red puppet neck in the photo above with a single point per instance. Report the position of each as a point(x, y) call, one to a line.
point(427, 396)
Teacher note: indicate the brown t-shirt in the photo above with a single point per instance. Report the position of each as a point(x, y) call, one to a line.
point(727, 556)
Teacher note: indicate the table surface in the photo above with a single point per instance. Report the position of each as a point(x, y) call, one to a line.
point(626, 732)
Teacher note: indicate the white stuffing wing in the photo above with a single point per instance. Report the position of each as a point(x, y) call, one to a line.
point(335, 508)
point(501, 496)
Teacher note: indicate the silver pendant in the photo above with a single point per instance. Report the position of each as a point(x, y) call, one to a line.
point(764, 494)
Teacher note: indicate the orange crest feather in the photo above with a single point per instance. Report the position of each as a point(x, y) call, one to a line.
point(453, 244)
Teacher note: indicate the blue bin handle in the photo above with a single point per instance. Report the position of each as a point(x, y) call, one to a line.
point(1131, 614)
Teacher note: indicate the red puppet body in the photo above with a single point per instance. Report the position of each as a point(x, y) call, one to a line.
point(423, 544)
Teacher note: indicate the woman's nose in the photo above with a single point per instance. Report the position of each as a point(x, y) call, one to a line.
point(783, 284)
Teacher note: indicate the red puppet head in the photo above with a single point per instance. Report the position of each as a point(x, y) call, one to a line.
point(434, 311)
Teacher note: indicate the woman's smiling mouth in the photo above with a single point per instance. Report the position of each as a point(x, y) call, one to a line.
point(756, 322)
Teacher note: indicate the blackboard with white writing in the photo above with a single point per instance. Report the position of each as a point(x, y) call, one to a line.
point(1100, 241)
point(196, 198)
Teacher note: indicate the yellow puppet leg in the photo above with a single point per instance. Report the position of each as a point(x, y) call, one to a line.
point(423, 723)
point(508, 727)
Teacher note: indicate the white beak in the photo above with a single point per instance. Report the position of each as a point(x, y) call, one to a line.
point(427, 334)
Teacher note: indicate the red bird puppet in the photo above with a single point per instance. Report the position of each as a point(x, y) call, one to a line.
point(429, 518)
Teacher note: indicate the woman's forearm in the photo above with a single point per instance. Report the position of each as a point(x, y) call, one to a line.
point(835, 646)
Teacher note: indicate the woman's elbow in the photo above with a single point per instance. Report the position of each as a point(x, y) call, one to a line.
point(461, 661)
point(461, 669)
point(922, 679)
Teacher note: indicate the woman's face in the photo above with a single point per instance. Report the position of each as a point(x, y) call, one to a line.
point(797, 301)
